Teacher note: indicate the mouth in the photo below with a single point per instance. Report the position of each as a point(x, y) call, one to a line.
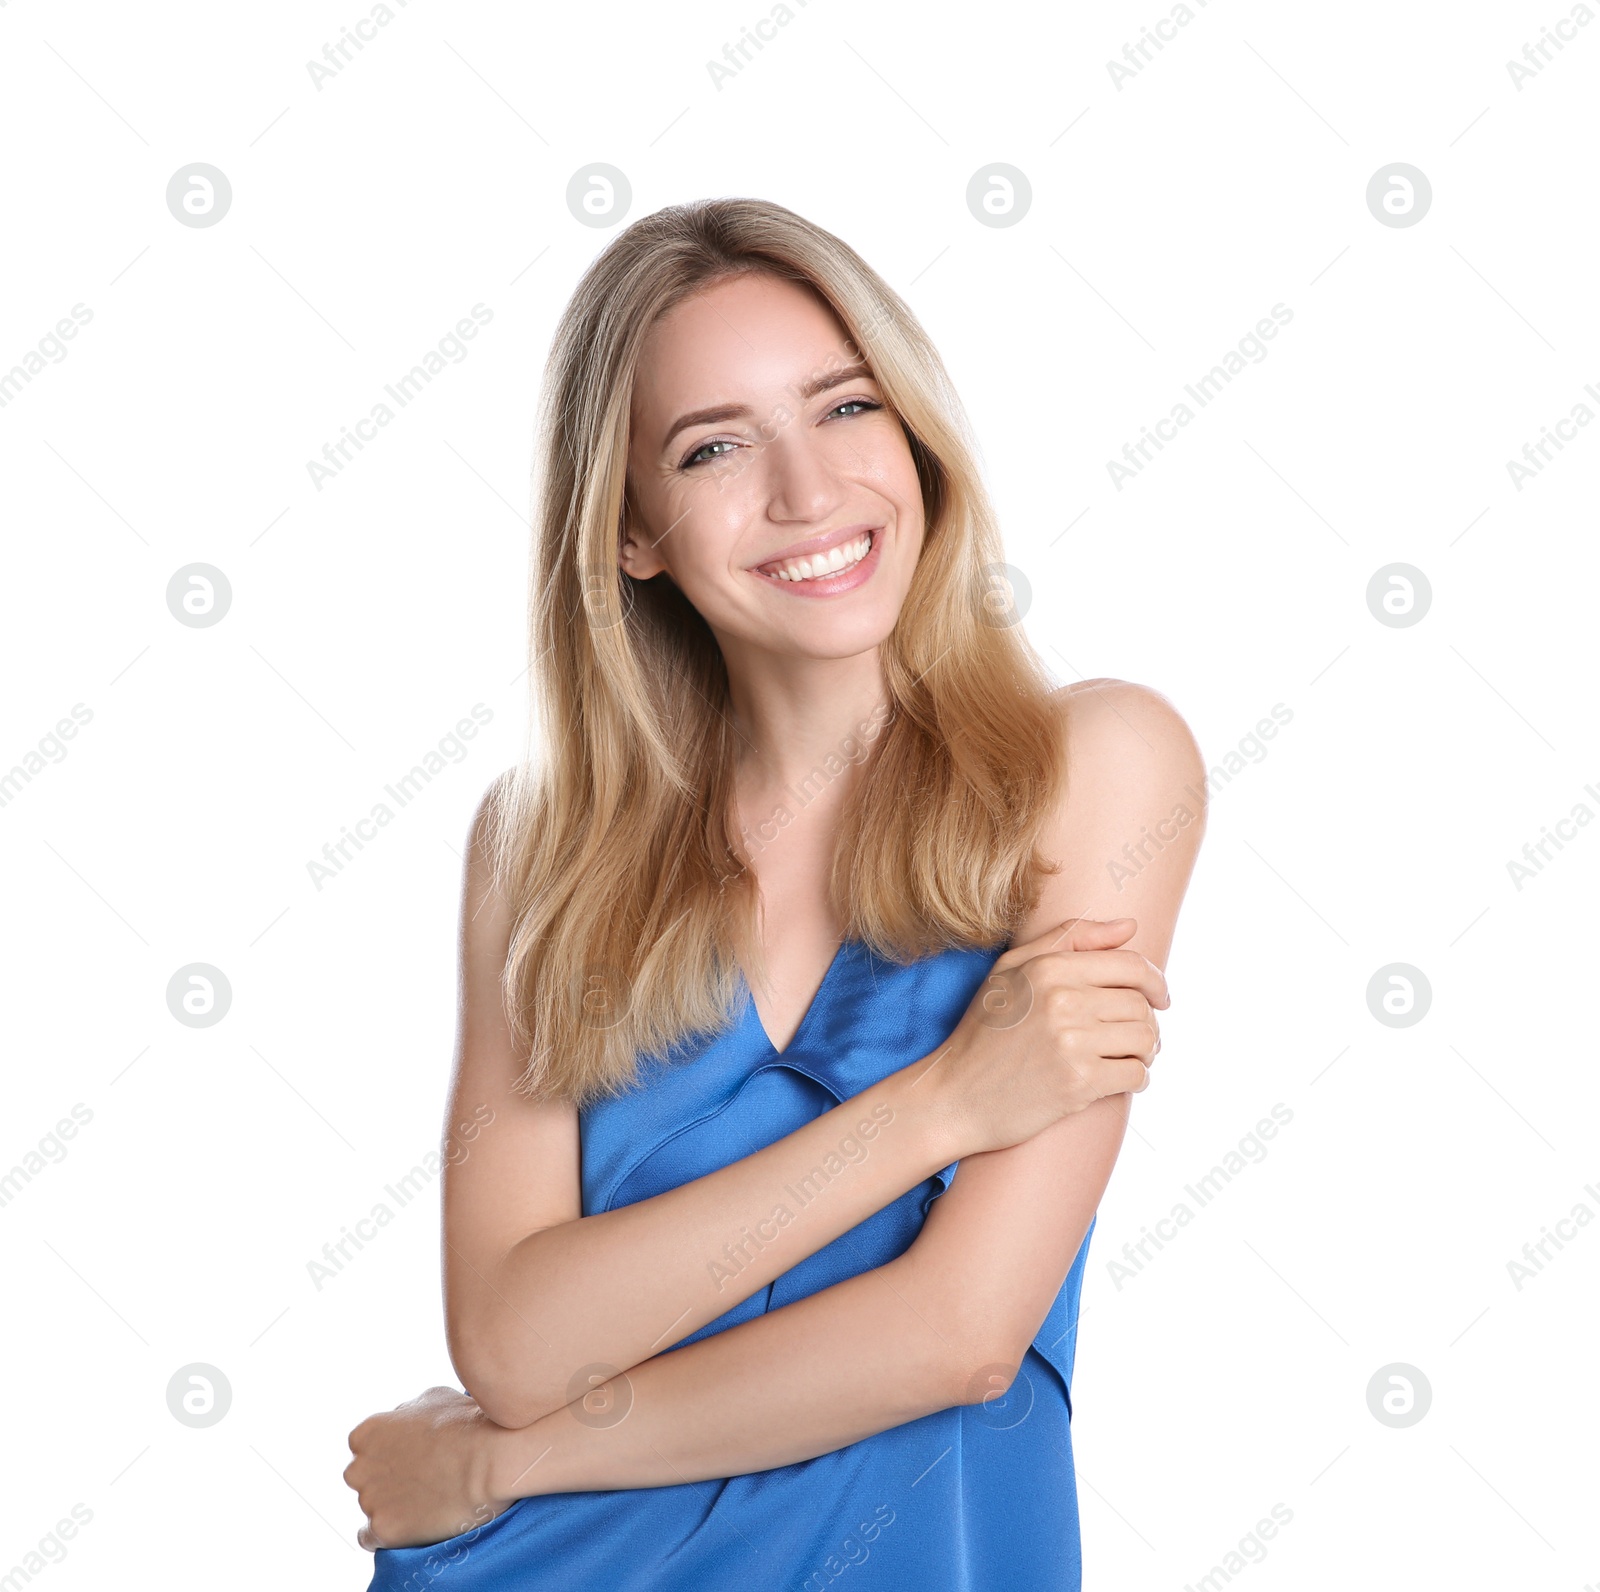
point(823, 571)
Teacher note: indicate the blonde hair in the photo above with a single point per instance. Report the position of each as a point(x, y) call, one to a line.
point(614, 845)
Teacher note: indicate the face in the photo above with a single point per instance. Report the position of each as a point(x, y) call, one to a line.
point(767, 475)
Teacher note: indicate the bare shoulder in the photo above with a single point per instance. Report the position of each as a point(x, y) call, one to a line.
point(1104, 705)
point(1126, 829)
point(1127, 740)
point(486, 921)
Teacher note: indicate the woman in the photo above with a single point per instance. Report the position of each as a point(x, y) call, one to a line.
point(816, 888)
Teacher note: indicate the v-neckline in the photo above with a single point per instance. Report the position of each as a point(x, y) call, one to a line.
point(805, 1016)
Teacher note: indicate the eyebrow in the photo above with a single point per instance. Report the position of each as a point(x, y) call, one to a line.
point(809, 390)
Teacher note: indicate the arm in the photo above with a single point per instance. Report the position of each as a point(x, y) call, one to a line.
point(950, 1320)
point(1127, 837)
point(535, 1291)
point(934, 1328)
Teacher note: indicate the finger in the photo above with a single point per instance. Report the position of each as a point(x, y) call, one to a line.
point(1115, 1041)
point(1114, 969)
point(1120, 1005)
point(1125, 1077)
point(1102, 972)
point(1090, 934)
point(1073, 934)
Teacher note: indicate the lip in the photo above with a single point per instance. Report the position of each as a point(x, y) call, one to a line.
point(816, 544)
point(828, 585)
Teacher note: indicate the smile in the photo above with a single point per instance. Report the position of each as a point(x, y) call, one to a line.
point(818, 566)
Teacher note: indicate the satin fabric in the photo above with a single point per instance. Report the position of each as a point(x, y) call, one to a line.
point(978, 1498)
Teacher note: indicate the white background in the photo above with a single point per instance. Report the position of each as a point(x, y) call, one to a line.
point(1168, 216)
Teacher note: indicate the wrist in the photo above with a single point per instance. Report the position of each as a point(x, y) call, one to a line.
point(519, 1463)
point(920, 1103)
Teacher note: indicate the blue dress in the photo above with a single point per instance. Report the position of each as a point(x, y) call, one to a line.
point(977, 1498)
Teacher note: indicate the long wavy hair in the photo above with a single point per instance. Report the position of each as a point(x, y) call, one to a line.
point(614, 840)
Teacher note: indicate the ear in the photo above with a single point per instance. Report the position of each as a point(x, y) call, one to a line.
point(635, 554)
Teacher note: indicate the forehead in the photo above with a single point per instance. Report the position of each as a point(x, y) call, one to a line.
point(739, 338)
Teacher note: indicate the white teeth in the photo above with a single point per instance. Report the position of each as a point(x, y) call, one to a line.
point(829, 563)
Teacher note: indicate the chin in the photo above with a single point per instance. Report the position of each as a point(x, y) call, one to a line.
point(848, 636)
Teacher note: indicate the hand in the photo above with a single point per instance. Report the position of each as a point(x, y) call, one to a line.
point(422, 1471)
point(1061, 1022)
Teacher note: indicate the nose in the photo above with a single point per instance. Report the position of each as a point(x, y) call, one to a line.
point(803, 482)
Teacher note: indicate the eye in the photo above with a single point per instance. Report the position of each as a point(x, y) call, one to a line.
point(702, 455)
point(696, 457)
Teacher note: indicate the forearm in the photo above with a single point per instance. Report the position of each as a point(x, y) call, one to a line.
point(943, 1324)
point(877, 1350)
point(619, 1287)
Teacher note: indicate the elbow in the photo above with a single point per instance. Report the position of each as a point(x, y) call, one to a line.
point(507, 1406)
point(983, 1361)
point(983, 1377)
point(501, 1385)
point(974, 1352)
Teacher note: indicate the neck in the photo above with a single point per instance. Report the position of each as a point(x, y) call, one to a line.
point(804, 722)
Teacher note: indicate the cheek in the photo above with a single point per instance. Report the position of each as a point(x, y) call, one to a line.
point(887, 461)
point(713, 506)
point(700, 528)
